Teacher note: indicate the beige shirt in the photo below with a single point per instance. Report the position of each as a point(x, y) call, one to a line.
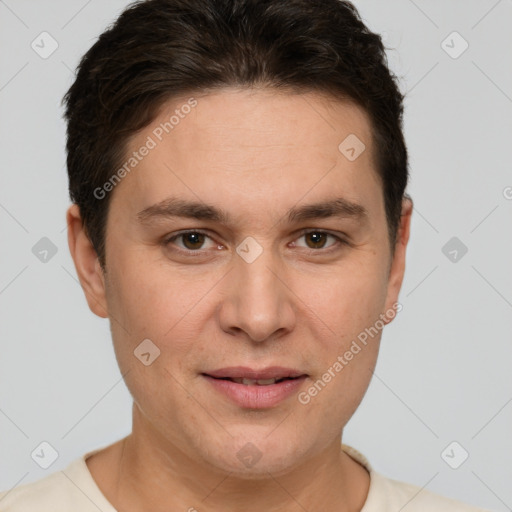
point(74, 490)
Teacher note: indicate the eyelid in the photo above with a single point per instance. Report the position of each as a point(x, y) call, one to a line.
point(168, 239)
point(340, 240)
point(304, 231)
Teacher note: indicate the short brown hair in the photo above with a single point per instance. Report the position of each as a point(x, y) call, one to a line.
point(158, 49)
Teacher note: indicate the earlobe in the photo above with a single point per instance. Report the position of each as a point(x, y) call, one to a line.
point(86, 262)
point(397, 269)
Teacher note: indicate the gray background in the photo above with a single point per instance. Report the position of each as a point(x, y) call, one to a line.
point(444, 368)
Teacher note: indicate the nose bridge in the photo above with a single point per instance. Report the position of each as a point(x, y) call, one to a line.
point(259, 301)
point(257, 279)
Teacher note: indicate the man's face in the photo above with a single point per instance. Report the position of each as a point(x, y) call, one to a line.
point(259, 288)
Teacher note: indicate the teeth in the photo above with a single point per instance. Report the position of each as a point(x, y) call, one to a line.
point(252, 382)
point(266, 382)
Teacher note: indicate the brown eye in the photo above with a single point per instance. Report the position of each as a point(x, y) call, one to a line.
point(316, 239)
point(190, 241)
point(193, 240)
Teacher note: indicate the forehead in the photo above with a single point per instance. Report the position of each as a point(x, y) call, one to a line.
point(260, 121)
point(246, 144)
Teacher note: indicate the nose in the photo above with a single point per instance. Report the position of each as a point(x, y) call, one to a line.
point(258, 300)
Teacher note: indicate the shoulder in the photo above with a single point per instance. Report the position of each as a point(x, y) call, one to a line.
point(53, 492)
point(397, 495)
point(70, 489)
point(388, 495)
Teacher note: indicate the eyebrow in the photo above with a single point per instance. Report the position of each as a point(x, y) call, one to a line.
point(175, 207)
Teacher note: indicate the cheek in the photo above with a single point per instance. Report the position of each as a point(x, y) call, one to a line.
point(155, 302)
point(148, 304)
point(349, 300)
point(150, 297)
point(343, 379)
point(350, 306)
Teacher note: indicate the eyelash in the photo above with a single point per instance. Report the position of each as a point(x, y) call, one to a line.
point(199, 252)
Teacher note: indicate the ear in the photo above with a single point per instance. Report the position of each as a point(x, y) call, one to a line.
point(397, 268)
point(86, 262)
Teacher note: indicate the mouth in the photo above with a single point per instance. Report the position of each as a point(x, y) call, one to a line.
point(256, 389)
point(254, 382)
point(251, 377)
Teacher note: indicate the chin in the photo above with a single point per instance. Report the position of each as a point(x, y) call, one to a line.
point(255, 456)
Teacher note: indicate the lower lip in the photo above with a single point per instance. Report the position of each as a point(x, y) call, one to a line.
point(256, 397)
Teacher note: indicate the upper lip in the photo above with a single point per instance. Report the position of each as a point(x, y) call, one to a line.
point(244, 372)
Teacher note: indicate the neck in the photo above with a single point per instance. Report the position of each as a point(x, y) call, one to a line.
point(150, 473)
